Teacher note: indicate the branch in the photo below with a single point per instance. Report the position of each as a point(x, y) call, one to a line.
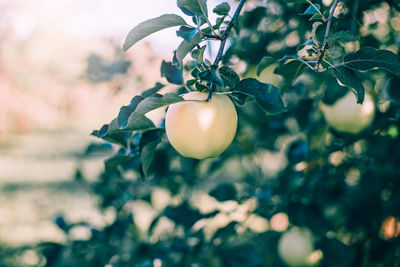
point(224, 37)
point(325, 43)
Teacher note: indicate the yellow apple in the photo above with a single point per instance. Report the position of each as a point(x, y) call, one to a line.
point(346, 116)
point(266, 76)
point(295, 247)
point(200, 129)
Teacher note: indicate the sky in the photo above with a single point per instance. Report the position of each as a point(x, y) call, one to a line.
point(95, 18)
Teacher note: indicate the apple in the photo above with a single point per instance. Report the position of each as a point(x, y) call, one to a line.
point(346, 116)
point(201, 129)
point(295, 247)
point(266, 76)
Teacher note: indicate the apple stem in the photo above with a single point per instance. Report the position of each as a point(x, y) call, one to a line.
point(224, 37)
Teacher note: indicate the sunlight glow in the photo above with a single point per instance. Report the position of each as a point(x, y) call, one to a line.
point(206, 118)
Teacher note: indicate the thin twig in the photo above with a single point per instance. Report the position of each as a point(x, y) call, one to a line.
point(210, 36)
point(205, 16)
point(325, 42)
point(224, 37)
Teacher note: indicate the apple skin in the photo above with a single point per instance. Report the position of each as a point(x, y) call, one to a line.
point(295, 247)
point(346, 116)
point(200, 129)
point(266, 76)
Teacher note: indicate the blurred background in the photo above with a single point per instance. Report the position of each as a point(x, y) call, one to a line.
point(63, 74)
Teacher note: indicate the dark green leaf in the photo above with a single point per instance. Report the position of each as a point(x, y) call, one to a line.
point(218, 22)
point(348, 78)
point(185, 47)
point(112, 133)
point(186, 33)
point(267, 95)
point(394, 88)
point(171, 72)
point(112, 163)
point(138, 121)
point(265, 62)
point(198, 54)
point(335, 52)
point(311, 10)
point(345, 36)
point(126, 111)
point(211, 76)
point(318, 32)
point(224, 192)
point(316, 16)
point(193, 7)
point(290, 69)
point(150, 26)
point(296, 1)
point(368, 58)
point(157, 101)
point(153, 90)
point(222, 9)
point(333, 91)
point(191, 82)
point(148, 144)
point(183, 214)
point(201, 87)
point(229, 76)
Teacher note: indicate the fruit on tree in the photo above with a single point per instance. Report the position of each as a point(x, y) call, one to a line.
point(266, 76)
point(200, 129)
point(295, 247)
point(346, 116)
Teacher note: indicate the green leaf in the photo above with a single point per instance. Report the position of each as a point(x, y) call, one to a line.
point(267, 95)
point(186, 33)
point(211, 76)
point(333, 91)
point(218, 22)
point(138, 121)
point(126, 111)
point(171, 72)
point(150, 26)
point(147, 147)
point(311, 10)
point(185, 47)
point(112, 133)
point(229, 76)
point(394, 88)
point(153, 90)
point(265, 62)
point(348, 78)
point(290, 69)
point(157, 101)
point(335, 52)
point(296, 1)
point(222, 9)
point(368, 58)
point(318, 32)
point(224, 192)
point(198, 54)
point(316, 16)
point(345, 36)
point(193, 7)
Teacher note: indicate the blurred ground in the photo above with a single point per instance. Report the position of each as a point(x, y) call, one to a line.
point(37, 183)
point(62, 75)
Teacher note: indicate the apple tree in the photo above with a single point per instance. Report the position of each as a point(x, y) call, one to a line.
point(312, 176)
